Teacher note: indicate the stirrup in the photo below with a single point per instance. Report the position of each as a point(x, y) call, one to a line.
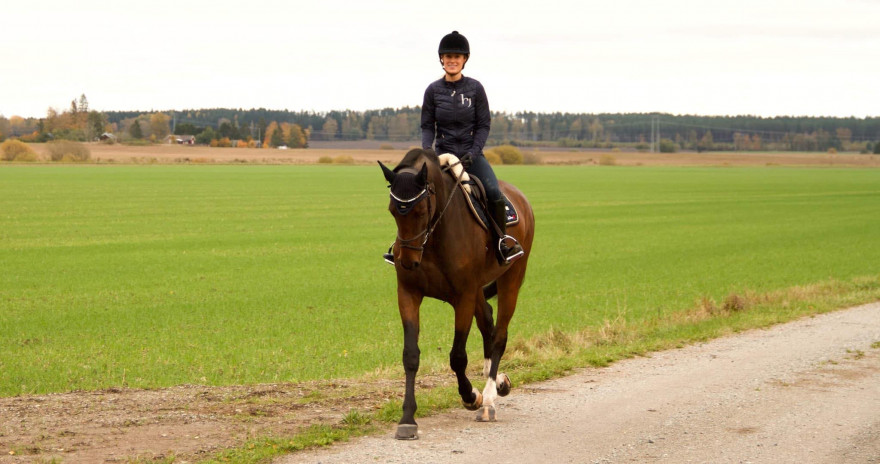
point(512, 253)
point(389, 257)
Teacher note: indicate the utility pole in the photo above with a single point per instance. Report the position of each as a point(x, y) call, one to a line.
point(655, 133)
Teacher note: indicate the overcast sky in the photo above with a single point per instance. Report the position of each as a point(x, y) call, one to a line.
point(757, 57)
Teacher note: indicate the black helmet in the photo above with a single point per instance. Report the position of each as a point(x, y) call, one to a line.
point(454, 43)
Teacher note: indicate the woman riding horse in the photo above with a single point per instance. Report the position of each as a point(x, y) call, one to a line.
point(455, 118)
point(441, 252)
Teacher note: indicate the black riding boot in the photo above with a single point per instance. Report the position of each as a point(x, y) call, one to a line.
point(507, 249)
point(389, 257)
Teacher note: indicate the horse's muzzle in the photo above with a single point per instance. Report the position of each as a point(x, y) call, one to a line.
point(410, 264)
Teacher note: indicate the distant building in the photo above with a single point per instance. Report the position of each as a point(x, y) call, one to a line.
point(181, 139)
point(107, 136)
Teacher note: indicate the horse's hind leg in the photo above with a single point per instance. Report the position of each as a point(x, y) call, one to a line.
point(499, 384)
point(483, 316)
point(464, 316)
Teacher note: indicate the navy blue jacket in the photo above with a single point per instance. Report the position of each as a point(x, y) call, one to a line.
point(456, 116)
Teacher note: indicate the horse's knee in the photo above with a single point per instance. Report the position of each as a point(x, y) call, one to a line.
point(411, 359)
point(458, 360)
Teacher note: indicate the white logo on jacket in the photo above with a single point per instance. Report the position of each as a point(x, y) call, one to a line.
point(465, 101)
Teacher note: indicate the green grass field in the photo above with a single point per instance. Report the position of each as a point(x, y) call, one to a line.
point(150, 276)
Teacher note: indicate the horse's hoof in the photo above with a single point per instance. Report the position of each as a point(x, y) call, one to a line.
point(486, 414)
point(478, 401)
point(503, 384)
point(407, 432)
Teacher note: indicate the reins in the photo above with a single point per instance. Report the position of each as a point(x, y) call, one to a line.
point(432, 223)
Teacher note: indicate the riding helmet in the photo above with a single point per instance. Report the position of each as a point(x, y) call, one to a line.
point(454, 43)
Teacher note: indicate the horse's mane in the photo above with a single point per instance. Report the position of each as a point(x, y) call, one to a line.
point(412, 157)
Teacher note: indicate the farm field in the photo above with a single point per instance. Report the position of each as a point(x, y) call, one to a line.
point(154, 276)
point(132, 276)
point(367, 152)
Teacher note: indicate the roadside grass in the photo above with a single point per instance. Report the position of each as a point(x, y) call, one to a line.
point(558, 353)
point(152, 276)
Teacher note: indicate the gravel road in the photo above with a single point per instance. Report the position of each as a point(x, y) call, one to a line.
point(803, 392)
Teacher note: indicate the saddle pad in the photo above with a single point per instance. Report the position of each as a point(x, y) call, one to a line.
point(473, 190)
point(479, 212)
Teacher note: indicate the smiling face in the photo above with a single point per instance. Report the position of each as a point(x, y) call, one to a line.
point(453, 63)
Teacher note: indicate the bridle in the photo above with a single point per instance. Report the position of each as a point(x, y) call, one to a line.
point(427, 192)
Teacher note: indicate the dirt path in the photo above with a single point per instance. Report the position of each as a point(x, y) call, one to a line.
point(803, 392)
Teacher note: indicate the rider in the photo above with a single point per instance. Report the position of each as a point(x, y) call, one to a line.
point(455, 118)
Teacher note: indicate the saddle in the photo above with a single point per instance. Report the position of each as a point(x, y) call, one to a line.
point(475, 193)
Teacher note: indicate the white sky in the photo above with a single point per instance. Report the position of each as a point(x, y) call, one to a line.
point(708, 57)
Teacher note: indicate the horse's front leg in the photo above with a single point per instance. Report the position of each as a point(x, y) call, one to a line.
point(409, 303)
point(458, 360)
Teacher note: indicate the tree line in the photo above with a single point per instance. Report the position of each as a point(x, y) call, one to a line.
point(295, 129)
point(605, 130)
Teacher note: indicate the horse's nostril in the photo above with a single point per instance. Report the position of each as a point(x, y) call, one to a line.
point(415, 265)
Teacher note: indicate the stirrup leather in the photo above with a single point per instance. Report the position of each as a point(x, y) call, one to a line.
point(516, 246)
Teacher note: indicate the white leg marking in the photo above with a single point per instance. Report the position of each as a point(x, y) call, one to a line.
point(487, 365)
point(490, 392)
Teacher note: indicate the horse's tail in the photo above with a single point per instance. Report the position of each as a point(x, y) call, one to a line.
point(490, 290)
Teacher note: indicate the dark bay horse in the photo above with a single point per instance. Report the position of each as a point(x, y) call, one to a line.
point(442, 252)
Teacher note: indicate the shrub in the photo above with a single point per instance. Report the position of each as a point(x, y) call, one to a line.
point(492, 157)
point(667, 146)
point(607, 160)
point(566, 142)
point(28, 156)
point(508, 154)
point(877, 148)
point(386, 146)
point(67, 151)
point(343, 159)
point(16, 150)
point(832, 151)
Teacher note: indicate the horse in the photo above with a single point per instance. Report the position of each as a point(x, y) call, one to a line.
point(443, 252)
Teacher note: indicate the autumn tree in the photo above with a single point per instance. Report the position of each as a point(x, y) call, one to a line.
point(159, 125)
point(352, 126)
point(595, 130)
point(399, 128)
point(576, 128)
point(706, 142)
point(5, 129)
point(329, 129)
point(274, 135)
point(294, 135)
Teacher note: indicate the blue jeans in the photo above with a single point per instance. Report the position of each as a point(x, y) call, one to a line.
point(483, 171)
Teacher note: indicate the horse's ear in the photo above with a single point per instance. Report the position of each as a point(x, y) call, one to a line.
point(389, 174)
point(423, 174)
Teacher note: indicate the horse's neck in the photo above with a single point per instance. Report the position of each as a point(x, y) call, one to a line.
point(455, 223)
